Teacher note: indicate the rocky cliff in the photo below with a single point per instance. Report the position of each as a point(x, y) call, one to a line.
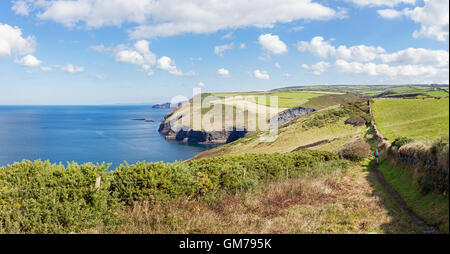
point(185, 134)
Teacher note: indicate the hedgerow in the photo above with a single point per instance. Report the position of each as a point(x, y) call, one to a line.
point(230, 173)
point(40, 197)
point(358, 108)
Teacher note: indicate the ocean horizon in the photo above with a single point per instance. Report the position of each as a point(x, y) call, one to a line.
point(88, 133)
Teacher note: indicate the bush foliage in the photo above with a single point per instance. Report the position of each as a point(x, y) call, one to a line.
point(401, 141)
point(40, 197)
point(356, 150)
point(355, 120)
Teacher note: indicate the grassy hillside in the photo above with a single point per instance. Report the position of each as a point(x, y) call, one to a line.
point(289, 99)
point(419, 119)
point(327, 124)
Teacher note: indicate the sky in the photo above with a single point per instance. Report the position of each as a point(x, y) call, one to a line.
point(108, 52)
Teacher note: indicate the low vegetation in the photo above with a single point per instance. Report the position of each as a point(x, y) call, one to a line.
point(330, 197)
point(39, 197)
point(356, 150)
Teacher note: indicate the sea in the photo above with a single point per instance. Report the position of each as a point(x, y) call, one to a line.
point(97, 134)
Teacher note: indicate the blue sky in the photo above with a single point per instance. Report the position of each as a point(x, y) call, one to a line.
point(111, 52)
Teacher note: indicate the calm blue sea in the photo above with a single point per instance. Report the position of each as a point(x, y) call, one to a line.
point(87, 134)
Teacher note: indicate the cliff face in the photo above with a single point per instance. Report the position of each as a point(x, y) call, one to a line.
point(185, 134)
point(292, 113)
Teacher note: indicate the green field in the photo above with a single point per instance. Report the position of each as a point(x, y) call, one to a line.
point(419, 119)
point(375, 90)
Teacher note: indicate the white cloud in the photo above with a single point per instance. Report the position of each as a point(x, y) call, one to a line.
point(433, 18)
point(167, 64)
point(29, 61)
point(227, 36)
point(324, 49)
point(193, 60)
point(390, 71)
point(297, 28)
point(317, 68)
point(140, 54)
point(277, 65)
point(317, 46)
point(70, 68)
point(219, 50)
point(201, 84)
point(261, 74)
point(389, 13)
point(167, 18)
point(417, 56)
point(286, 75)
point(223, 73)
point(242, 46)
point(13, 43)
point(390, 3)
point(131, 57)
point(190, 74)
point(363, 53)
point(46, 68)
point(359, 53)
point(272, 43)
point(100, 48)
point(21, 7)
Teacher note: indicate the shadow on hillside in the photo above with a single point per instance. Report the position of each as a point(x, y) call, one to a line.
point(400, 222)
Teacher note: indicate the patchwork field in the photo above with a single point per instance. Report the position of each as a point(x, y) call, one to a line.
point(420, 119)
point(385, 91)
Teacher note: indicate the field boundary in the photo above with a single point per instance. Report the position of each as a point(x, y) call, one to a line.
point(383, 144)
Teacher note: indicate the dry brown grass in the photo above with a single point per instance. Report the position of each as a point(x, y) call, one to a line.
point(340, 202)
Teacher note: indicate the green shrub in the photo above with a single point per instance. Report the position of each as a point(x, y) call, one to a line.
point(355, 120)
point(40, 197)
point(158, 181)
point(401, 141)
point(356, 150)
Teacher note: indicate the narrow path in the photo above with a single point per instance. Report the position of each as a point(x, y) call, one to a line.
point(427, 229)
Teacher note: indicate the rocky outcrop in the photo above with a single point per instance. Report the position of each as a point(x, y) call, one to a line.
point(185, 134)
point(216, 137)
point(292, 114)
point(166, 105)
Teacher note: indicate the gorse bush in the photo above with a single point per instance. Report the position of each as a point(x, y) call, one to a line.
point(199, 177)
point(40, 197)
point(356, 150)
point(357, 109)
point(355, 120)
point(401, 141)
